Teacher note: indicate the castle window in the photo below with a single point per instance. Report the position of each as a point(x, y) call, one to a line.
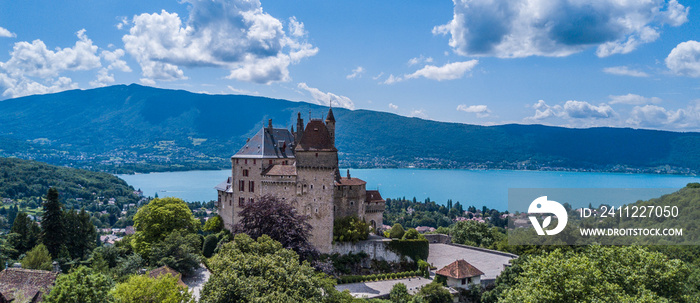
point(246, 161)
point(317, 210)
point(316, 155)
point(324, 187)
point(245, 173)
point(241, 185)
point(352, 203)
point(254, 161)
point(251, 186)
point(241, 201)
point(312, 186)
point(236, 161)
point(270, 162)
point(286, 162)
point(251, 200)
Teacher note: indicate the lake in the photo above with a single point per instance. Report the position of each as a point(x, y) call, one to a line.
point(469, 187)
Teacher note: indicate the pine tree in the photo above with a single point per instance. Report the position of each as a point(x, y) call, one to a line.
point(52, 230)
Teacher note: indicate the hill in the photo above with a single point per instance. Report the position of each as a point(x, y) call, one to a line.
point(29, 181)
point(135, 128)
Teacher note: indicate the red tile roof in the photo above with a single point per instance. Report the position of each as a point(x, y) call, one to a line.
point(373, 196)
point(281, 170)
point(459, 269)
point(28, 283)
point(350, 181)
point(316, 137)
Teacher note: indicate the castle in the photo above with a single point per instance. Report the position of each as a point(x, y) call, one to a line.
point(300, 168)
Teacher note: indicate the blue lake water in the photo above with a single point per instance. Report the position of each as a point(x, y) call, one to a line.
point(469, 187)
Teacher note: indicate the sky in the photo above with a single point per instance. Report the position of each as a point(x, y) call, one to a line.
point(572, 63)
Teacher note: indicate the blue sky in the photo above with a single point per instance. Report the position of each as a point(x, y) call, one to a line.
point(574, 63)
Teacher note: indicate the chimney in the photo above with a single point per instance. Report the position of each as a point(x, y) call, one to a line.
point(348, 173)
point(300, 128)
point(269, 125)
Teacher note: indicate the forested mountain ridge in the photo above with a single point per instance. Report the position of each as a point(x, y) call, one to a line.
point(135, 128)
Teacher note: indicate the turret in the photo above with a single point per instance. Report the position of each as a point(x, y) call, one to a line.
point(330, 124)
point(300, 128)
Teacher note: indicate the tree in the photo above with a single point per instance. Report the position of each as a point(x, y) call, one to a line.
point(180, 251)
point(600, 274)
point(158, 219)
point(261, 270)
point(350, 229)
point(37, 258)
point(412, 234)
point(81, 285)
point(433, 293)
point(215, 224)
point(280, 221)
point(143, 289)
point(24, 234)
point(80, 235)
point(52, 229)
point(399, 294)
point(209, 245)
point(396, 231)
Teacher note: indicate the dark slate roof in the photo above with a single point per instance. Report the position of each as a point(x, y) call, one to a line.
point(350, 181)
point(224, 186)
point(316, 138)
point(373, 196)
point(330, 116)
point(459, 269)
point(164, 270)
point(281, 170)
point(28, 283)
point(268, 144)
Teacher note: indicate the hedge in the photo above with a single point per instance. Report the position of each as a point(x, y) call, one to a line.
point(378, 277)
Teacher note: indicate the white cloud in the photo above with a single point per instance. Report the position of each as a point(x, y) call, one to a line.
point(391, 80)
point(6, 33)
point(147, 81)
point(624, 71)
point(633, 99)
point(419, 113)
point(684, 59)
point(654, 116)
point(113, 58)
point(448, 71)
point(103, 78)
point(356, 73)
point(242, 91)
point(421, 59)
point(123, 22)
point(235, 35)
point(324, 98)
point(481, 111)
point(393, 106)
point(521, 28)
point(572, 109)
point(378, 76)
point(35, 69)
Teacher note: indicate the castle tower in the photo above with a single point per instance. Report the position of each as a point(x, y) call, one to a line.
point(300, 128)
point(330, 124)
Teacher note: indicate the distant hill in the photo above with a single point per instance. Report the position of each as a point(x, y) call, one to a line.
point(30, 180)
point(135, 128)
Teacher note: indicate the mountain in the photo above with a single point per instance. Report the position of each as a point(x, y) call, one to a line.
point(135, 128)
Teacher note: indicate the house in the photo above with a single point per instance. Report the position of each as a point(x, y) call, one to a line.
point(29, 284)
point(461, 274)
point(164, 270)
point(301, 168)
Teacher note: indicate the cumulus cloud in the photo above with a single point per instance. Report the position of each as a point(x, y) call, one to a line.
point(655, 116)
point(356, 73)
point(6, 33)
point(521, 28)
point(624, 71)
point(103, 78)
point(324, 98)
point(393, 106)
point(235, 35)
point(481, 111)
point(448, 71)
point(35, 69)
point(421, 59)
point(572, 109)
point(419, 113)
point(633, 99)
point(684, 59)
